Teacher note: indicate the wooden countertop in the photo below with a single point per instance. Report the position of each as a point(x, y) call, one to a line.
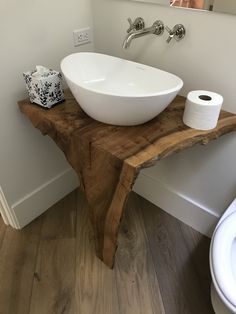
point(108, 158)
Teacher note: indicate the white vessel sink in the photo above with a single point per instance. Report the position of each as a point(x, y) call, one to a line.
point(117, 91)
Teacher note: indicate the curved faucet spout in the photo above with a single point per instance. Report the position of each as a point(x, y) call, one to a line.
point(136, 34)
point(157, 28)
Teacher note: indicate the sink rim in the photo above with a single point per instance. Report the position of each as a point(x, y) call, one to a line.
point(179, 83)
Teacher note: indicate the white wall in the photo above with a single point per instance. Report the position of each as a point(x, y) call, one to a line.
point(205, 59)
point(31, 32)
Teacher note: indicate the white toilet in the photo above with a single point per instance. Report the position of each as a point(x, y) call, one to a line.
point(223, 263)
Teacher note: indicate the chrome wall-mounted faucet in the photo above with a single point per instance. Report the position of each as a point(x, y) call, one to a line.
point(178, 32)
point(137, 29)
point(137, 25)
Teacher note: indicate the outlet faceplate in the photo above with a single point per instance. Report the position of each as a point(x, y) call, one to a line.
point(82, 36)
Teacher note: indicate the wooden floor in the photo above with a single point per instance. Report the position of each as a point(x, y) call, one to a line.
point(50, 266)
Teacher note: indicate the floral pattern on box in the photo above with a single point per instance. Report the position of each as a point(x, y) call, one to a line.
point(46, 90)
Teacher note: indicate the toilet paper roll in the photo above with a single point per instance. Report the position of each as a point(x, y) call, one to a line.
point(202, 109)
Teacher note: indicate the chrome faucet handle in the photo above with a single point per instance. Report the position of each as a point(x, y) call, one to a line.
point(137, 25)
point(171, 34)
point(178, 32)
point(159, 27)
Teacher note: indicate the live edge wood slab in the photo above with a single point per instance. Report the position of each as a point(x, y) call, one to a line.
point(109, 158)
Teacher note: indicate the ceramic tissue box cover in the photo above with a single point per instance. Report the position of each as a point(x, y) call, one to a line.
point(45, 88)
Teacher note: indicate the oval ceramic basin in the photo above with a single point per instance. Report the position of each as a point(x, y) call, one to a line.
point(118, 91)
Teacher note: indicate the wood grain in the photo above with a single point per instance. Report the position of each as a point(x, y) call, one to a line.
point(183, 290)
point(136, 278)
point(157, 258)
point(17, 265)
point(95, 287)
point(198, 249)
point(132, 288)
point(54, 279)
point(108, 158)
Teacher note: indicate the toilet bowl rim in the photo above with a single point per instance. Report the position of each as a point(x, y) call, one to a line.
point(221, 295)
point(216, 250)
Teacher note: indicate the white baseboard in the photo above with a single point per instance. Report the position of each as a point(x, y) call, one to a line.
point(6, 213)
point(38, 201)
point(186, 210)
point(34, 204)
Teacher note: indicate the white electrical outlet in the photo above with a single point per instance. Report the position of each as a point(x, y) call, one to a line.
point(82, 36)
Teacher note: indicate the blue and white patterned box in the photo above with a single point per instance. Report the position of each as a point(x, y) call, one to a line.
point(44, 86)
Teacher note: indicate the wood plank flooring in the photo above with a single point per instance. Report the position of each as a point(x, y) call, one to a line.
point(50, 266)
